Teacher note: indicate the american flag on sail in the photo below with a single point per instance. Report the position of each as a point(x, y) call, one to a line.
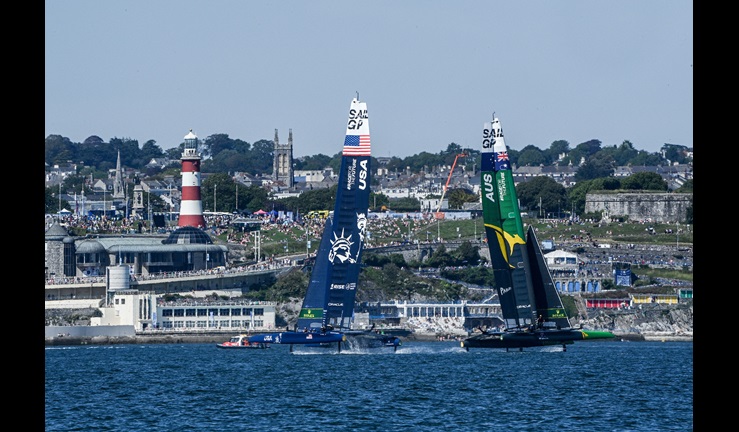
point(357, 145)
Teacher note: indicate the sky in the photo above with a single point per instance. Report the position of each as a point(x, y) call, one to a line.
point(431, 71)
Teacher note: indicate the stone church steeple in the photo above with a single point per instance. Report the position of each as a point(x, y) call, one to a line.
point(118, 188)
point(282, 168)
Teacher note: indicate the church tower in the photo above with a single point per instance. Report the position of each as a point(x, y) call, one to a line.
point(118, 187)
point(282, 167)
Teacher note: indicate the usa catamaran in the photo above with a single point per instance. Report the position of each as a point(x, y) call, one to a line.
point(532, 310)
point(326, 315)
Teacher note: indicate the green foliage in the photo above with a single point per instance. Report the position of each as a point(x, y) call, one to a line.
point(531, 156)
point(51, 201)
point(377, 260)
point(316, 162)
point(545, 191)
point(570, 306)
point(386, 278)
point(649, 273)
point(482, 276)
point(218, 193)
point(440, 258)
point(405, 204)
point(289, 286)
point(644, 181)
point(225, 154)
point(377, 200)
point(458, 197)
point(607, 284)
point(623, 233)
point(466, 254)
point(598, 165)
point(687, 187)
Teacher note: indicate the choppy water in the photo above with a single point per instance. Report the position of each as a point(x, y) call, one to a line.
point(593, 386)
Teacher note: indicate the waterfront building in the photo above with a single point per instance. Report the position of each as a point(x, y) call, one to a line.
point(194, 311)
point(185, 249)
point(148, 311)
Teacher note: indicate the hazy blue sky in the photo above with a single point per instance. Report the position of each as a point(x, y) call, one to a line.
point(431, 71)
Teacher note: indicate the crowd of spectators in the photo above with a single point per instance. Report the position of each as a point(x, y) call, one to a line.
point(593, 261)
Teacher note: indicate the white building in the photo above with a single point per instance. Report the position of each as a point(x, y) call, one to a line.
point(146, 310)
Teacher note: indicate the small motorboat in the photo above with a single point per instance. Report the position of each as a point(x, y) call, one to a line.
point(242, 342)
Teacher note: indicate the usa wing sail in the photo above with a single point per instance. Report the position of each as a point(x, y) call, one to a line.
point(350, 217)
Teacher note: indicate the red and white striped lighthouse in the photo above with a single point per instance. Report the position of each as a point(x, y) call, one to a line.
point(191, 207)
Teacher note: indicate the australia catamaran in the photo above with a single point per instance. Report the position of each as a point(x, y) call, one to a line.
point(326, 316)
point(532, 310)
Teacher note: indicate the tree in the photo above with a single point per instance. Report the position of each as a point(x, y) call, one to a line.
point(542, 190)
point(457, 198)
point(156, 202)
point(576, 195)
point(377, 200)
point(643, 158)
point(58, 150)
point(440, 258)
point(251, 198)
point(558, 148)
point(150, 150)
point(75, 184)
point(624, 153)
point(467, 254)
point(51, 198)
point(474, 275)
point(405, 204)
point(675, 153)
point(215, 144)
point(130, 153)
point(599, 165)
point(228, 161)
point(644, 181)
point(316, 162)
point(292, 285)
point(589, 148)
point(175, 153)
point(395, 164)
point(453, 149)
point(218, 193)
point(417, 163)
point(262, 155)
point(605, 183)
point(318, 199)
point(94, 152)
point(531, 156)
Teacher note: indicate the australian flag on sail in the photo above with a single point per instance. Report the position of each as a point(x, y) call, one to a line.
point(501, 161)
point(357, 145)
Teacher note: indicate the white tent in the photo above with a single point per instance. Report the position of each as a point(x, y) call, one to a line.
point(560, 259)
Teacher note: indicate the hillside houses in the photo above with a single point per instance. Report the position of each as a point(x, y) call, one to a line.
point(55, 175)
point(426, 185)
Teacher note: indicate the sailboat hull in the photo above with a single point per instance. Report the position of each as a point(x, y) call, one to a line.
point(523, 282)
point(368, 339)
point(326, 314)
point(301, 338)
point(528, 339)
point(347, 340)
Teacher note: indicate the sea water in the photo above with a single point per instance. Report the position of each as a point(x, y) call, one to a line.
point(423, 386)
